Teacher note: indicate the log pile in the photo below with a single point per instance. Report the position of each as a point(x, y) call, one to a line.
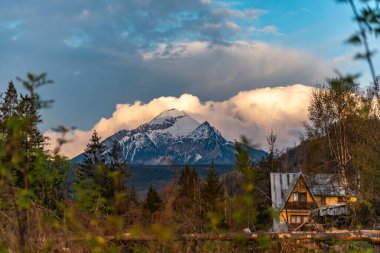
point(372, 236)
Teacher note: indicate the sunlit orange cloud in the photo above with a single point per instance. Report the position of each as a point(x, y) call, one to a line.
point(254, 113)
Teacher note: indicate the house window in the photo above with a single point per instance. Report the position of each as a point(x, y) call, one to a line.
point(341, 199)
point(299, 197)
point(295, 196)
point(298, 219)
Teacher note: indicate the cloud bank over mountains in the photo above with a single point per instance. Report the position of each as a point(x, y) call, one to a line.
point(253, 113)
point(217, 72)
point(120, 51)
point(208, 58)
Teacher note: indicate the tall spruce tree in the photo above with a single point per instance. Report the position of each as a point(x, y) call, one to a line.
point(19, 119)
point(187, 203)
point(152, 201)
point(116, 161)
point(189, 184)
point(8, 113)
point(93, 182)
point(27, 110)
point(116, 178)
point(8, 106)
point(118, 168)
point(212, 191)
point(93, 157)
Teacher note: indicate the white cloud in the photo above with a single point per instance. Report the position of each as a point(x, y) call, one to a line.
point(239, 14)
point(232, 26)
point(253, 113)
point(269, 29)
point(217, 72)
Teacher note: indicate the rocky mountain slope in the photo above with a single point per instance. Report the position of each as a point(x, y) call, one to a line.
point(173, 137)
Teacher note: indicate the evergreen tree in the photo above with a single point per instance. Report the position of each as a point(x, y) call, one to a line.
point(245, 202)
point(27, 111)
point(153, 201)
point(8, 106)
point(212, 191)
point(106, 177)
point(187, 203)
point(189, 184)
point(115, 185)
point(19, 119)
point(118, 168)
point(8, 111)
point(94, 184)
point(116, 163)
point(93, 157)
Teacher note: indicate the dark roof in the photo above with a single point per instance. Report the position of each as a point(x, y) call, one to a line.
point(325, 184)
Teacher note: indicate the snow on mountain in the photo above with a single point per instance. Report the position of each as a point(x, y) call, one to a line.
point(174, 137)
point(205, 130)
point(171, 124)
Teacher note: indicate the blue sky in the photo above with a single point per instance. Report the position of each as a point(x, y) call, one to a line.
point(100, 53)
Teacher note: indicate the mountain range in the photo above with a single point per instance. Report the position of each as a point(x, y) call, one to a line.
point(173, 137)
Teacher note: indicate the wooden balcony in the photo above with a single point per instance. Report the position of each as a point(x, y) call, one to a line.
point(300, 205)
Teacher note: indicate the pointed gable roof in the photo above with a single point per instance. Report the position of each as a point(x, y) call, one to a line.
point(282, 186)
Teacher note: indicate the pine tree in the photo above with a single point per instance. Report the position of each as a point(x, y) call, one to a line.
point(27, 111)
point(93, 157)
point(19, 119)
point(212, 191)
point(93, 182)
point(153, 201)
point(189, 184)
point(115, 179)
point(116, 163)
point(8, 106)
point(8, 111)
point(187, 203)
point(118, 168)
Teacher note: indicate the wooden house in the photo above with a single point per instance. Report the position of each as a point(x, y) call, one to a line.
point(295, 195)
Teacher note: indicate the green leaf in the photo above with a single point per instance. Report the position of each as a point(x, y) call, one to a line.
point(354, 40)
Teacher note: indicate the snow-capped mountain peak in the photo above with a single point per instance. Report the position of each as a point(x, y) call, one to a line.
point(171, 113)
point(173, 136)
point(205, 130)
point(171, 123)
